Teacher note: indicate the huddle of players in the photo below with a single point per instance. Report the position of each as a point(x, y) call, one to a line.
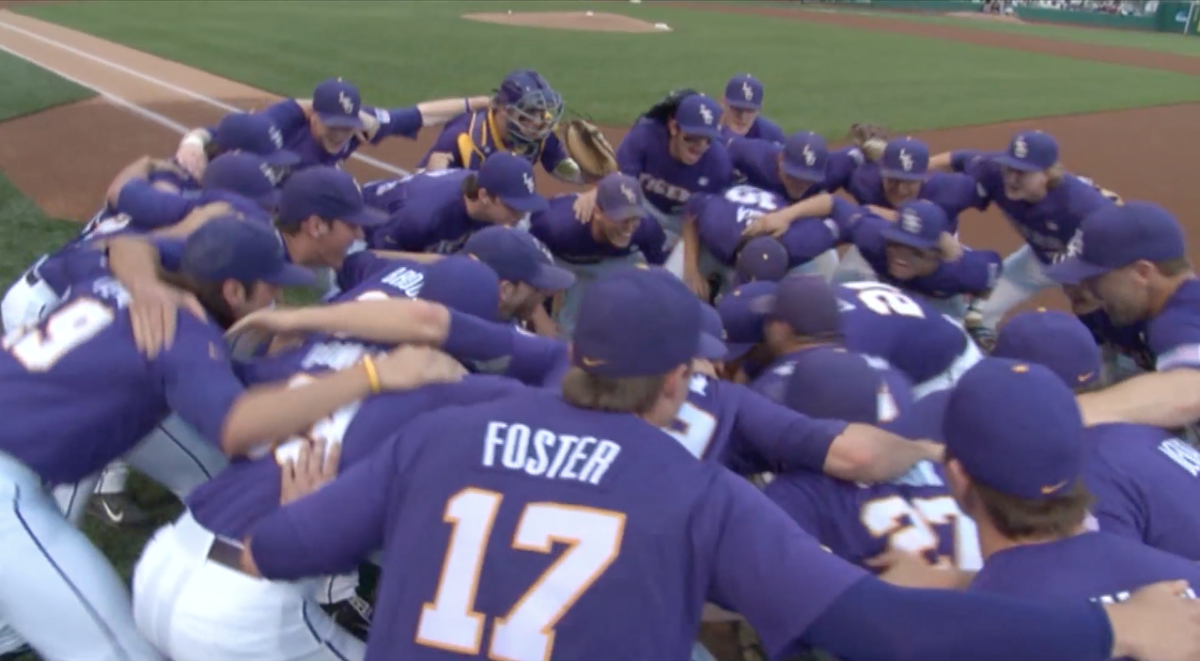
point(587, 443)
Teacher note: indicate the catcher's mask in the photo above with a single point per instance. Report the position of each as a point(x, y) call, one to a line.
point(532, 107)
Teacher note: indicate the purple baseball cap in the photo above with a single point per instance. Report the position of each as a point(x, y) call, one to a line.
point(639, 322)
point(620, 197)
point(830, 382)
point(510, 178)
point(699, 115)
point(254, 133)
point(805, 156)
point(328, 193)
point(906, 159)
point(1114, 237)
point(244, 173)
point(806, 303)
point(744, 91)
point(711, 325)
point(1030, 151)
point(337, 103)
point(920, 225)
point(226, 248)
point(1015, 427)
point(740, 318)
point(463, 284)
point(762, 258)
point(516, 257)
point(1055, 340)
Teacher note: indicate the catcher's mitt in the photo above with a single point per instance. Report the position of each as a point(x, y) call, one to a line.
point(588, 147)
point(871, 139)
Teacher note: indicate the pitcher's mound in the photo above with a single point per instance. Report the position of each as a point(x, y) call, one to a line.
point(568, 20)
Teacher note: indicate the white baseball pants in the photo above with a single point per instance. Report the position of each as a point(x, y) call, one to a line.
point(1023, 277)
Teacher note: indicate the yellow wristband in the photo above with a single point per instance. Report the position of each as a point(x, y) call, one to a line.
point(372, 375)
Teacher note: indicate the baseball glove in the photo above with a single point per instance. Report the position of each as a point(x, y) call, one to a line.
point(588, 147)
point(871, 139)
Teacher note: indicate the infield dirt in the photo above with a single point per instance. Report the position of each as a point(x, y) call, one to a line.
point(65, 157)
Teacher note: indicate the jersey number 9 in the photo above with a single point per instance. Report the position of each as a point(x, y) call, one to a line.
point(64, 330)
point(526, 633)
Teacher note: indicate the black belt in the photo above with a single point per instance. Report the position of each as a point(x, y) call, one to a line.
point(226, 554)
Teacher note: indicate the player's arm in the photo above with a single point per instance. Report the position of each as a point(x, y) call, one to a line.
point(796, 594)
point(777, 222)
point(1160, 399)
point(419, 257)
point(1119, 504)
point(436, 113)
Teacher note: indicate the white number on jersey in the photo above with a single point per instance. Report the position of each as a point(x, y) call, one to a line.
point(694, 427)
point(65, 329)
point(909, 526)
point(331, 429)
point(884, 299)
point(749, 196)
point(592, 538)
point(106, 225)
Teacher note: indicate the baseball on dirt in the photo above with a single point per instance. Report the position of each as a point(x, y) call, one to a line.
point(510, 11)
point(662, 26)
point(589, 13)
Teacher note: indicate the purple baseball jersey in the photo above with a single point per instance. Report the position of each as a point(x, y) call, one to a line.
point(82, 357)
point(721, 218)
point(666, 182)
point(1047, 225)
point(762, 129)
point(471, 138)
point(1091, 565)
point(1128, 340)
point(292, 122)
point(1173, 335)
point(248, 489)
point(427, 209)
point(953, 192)
point(757, 162)
point(1143, 479)
point(367, 275)
point(652, 532)
point(575, 243)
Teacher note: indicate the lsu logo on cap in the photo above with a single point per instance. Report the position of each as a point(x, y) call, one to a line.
point(346, 102)
point(1019, 148)
point(910, 222)
point(629, 193)
point(706, 115)
point(747, 91)
point(906, 160)
point(810, 158)
point(528, 182)
point(276, 137)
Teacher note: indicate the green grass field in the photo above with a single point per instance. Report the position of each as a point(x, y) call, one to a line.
point(818, 77)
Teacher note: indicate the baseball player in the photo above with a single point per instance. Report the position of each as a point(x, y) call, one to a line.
point(919, 254)
point(742, 112)
point(799, 168)
point(519, 119)
point(1133, 258)
point(1044, 203)
point(871, 318)
point(674, 150)
point(437, 211)
point(332, 125)
point(590, 465)
point(618, 233)
point(914, 513)
point(89, 339)
point(1138, 475)
point(1123, 347)
point(712, 236)
point(1022, 485)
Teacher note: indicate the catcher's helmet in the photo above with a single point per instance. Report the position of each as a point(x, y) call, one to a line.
point(532, 106)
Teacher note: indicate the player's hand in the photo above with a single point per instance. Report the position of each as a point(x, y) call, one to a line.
point(412, 366)
point(154, 310)
point(1157, 623)
point(314, 467)
point(438, 160)
point(768, 224)
point(883, 212)
point(697, 283)
point(191, 157)
point(370, 126)
point(270, 321)
point(584, 205)
point(951, 249)
point(909, 570)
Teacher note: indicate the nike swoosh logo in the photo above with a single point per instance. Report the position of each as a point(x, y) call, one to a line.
point(589, 362)
point(116, 516)
point(1085, 377)
point(1054, 487)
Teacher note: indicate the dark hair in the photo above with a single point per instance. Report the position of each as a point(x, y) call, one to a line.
point(209, 294)
point(470, 187)
point(665, 109)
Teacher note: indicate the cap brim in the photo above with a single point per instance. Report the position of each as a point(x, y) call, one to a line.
point(282, 157)
point(292, 276)
point(1073, 270)
point(802, 172)
point(366, 217)
point(735, 350)
point(1014, 164)
point(711, 348)
point(552, 279)
point(527, 203)
point(170, 252)
point(624, 212)
point(743, 105)
point(711, 132)
point(903, 176)
point(342, 121)
point(897, 235)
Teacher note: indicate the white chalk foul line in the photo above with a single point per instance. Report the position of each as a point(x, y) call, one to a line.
point(149, 114)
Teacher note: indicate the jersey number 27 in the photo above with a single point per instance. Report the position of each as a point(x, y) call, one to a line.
point(526, 633)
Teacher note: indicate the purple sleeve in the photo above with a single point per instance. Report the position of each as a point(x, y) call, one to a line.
point(846, 215)
point(1119, 504)
point(197, 377)
point(794, 495)
point(149, 208)
point(474, 339)
point(357, 267)
point(553, 153)
point(721, 171)
point(332, 530)
point(977, 271)
point(631, 156)
point(842, 163)
point(866, 233)
point(447, 141)
point(762, 564)
point(965, 160)
point(403, 122)
point(783, 437)
point(534, 357)
point(287, 115)
point(407, 230)
point(808, 238)
point(1174, 338)
point(651, 239)
point(955, 193)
